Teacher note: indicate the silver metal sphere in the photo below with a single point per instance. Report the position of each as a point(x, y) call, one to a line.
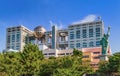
point(39, 31)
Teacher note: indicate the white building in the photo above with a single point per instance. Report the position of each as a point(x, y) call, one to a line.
point(57, 42)
point(85, 35)
point(16, 37)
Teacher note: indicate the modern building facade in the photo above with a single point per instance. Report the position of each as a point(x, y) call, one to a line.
point(82, 35)
point(92, 55)
point(85, 35)
point(16, 37)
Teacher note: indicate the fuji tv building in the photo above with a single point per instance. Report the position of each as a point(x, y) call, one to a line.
point(84, 37)
point(81, 36)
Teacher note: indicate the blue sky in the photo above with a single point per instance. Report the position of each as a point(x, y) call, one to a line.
point(32, 13)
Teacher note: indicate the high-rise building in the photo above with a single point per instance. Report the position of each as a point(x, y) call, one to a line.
point(81, 35)
point(85, 35)
point(16, 37)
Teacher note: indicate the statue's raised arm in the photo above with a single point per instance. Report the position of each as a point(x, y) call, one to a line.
point(108, 32)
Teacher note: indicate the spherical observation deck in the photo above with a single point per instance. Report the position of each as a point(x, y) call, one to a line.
point(39, 32)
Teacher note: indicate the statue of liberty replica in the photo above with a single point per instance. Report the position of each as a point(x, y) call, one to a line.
point(105, 45)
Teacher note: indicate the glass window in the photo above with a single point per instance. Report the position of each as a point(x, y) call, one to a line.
point(84, 44)
point(86, 56)
point(17, 37)
point(90, 32)
point(12, 46)
point(13, 38)
point(17, 47)
point(45, 54)
point(8, 40)
point(91, 44)
point(96, 52)
point(71, 45)
point(97, 25)
point(97, 32)
point(97, 43)
point(72, 32)
point(72, 36)
point(49, 40)
point(51, 53)
point(77, 45)
point(8, 47)
point(98, 29)
point(63, 38)
point(84, 33)
point(97, 57)
point(78, 34)
point(67, 53)
point(71, 29)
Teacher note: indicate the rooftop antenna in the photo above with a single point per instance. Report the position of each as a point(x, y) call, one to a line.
point(51, 24)
point(99, 18)
point(60, 26)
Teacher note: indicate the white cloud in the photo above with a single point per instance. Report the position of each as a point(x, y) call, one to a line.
point(89, 18)
point(60, 26)
point(51, 24)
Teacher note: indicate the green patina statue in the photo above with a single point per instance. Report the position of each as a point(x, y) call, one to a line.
point(104, 42)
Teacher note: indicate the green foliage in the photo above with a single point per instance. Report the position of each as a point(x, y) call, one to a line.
point(48, 67)
point(9, 63)
point(21, 63)
point(103, 67)
point(74, 70)
point(30, 62)
point(77, 52)
point(77, 55)
point(112, 66)
point(114, 63)
point(52, 57)
point(30, 59)
point(67, 62)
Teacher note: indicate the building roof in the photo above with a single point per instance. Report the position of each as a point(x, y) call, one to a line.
point(86, 23)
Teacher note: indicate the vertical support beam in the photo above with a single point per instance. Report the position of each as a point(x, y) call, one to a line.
point(54, 34)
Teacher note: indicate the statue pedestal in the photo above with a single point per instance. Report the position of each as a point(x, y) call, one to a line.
point(104, 57)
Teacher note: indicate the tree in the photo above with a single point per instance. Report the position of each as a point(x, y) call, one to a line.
point(103, 68)
point(77, 55)
point(72, 65)
point(30, 59)
point(31, 62)
point(112, 66)
point(9, 63)
point(74, 70)
point(25, 63)
point(114, 62)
